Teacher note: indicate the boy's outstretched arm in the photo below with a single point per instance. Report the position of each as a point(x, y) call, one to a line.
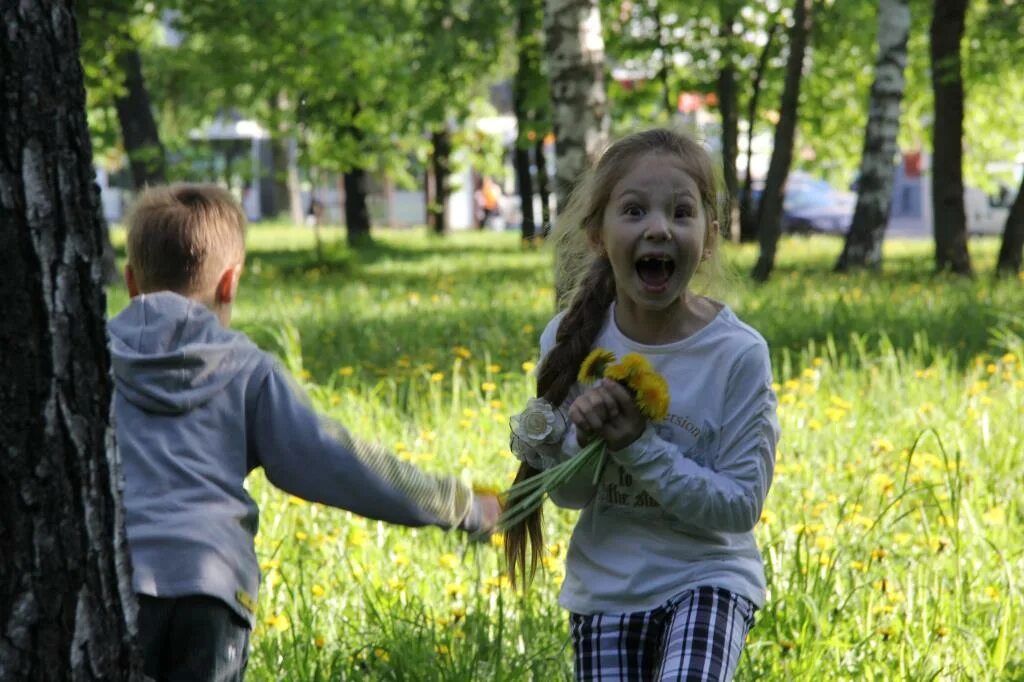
point(319, 460)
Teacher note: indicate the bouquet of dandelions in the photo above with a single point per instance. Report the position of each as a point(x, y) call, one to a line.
point(541, 424)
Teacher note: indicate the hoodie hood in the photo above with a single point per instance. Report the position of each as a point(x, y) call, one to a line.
point(170, 354)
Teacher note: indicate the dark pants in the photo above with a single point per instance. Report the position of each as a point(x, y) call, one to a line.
point(195, 638)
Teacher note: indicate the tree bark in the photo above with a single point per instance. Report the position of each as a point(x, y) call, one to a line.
point(663, 66)
point(1010, 251)
point(575, 58)
point(728, 106)
point(357, 215)
point(437, 209)
point(748, 216)
point(527, 75)
point(863, 247)
point(540, 158)
point(138, 127)
point(67, 610)
point(948, 212)
point(769, 214)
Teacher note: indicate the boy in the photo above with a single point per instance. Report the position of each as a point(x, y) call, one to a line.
point(197, 407)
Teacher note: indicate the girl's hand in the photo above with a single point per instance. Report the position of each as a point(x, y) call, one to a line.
point(606, 410)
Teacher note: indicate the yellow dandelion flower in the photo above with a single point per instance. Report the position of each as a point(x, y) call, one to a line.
point(318, 590)
point(442, 649)
point(381, 654)
point(594, 365)
point(488, 386)
point(346, 371)
point(635, 364)
point(529, 366)
point(278, 621)
point(319, 642)
point(448, 561)
point(651, 391)
point(493, 368)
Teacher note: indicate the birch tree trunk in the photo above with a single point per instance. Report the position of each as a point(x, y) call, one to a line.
point(579, 105)
point(769, 214)
point(575, 59)
point(67, 611)
point(863, 248)
point(949, 214)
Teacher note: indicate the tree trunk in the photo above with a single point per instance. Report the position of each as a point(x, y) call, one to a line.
point(575, 59)
point(769, 214)
point(281, 200)
point(748, 216)
point(863, 247)
point(437, 209)
point(67, 609)
point(1010, 251)
point(357, 215)
point(948, 212)
point(292, 181)
point(521, 160)
point(138, 127)
point(527, 75)
point(728, 105)
point(540, 158)
point(663, 67)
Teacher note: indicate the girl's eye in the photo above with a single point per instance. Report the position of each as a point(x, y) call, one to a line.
point(633, 210)
point(684, 211)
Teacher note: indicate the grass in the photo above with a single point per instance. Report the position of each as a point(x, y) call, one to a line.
point(892, 535)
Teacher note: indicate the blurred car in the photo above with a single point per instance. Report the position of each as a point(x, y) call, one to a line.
point(812, 206)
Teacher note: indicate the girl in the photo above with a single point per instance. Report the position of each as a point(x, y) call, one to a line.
point(662, 574)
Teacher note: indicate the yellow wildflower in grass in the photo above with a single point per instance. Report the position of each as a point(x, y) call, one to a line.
point(454, 590)
point(462, 352)
point(442, 649)
point(437, 377)
point(529, 366)
point(996, 516)
point(319, 642)
point(278, 621)
point(488, 386)
point(448, 561)
point(318, 590)
point(595, 365)
point(346, 371)
point(493, 368)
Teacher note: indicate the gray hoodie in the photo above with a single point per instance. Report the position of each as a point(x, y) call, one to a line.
point(196, 408)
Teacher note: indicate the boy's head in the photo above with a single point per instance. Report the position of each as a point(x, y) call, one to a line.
point(189, 239)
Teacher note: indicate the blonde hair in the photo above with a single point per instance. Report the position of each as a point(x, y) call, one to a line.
point(591, 287)
point(182, 236)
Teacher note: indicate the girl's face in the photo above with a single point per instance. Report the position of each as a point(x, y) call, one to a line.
point(654, 232)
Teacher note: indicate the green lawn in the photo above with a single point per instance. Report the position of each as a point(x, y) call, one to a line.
point(892, 534)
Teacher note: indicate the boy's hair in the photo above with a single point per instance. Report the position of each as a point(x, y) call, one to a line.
point(182, 236)
point(592, 286)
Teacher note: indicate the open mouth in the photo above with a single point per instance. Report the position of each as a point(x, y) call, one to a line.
point(655, 271)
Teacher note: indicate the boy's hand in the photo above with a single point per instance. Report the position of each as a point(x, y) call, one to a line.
point(490, 510)
point(606, 410)
point(483, 515)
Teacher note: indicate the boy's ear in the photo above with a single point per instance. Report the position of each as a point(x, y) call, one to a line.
point(227, 285)
point(129, 280)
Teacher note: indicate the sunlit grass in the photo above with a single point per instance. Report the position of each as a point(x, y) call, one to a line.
point(892, 534)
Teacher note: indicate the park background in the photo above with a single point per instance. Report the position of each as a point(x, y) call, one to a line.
point(871, 163)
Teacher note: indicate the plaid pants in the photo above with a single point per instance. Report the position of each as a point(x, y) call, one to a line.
point(697, 635)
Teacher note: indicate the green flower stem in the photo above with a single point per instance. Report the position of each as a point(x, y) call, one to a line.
point(526, 496)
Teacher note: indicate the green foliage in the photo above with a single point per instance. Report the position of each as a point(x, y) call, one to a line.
point(892, 536)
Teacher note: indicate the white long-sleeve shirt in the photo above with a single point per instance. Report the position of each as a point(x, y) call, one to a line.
point(676, 508)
